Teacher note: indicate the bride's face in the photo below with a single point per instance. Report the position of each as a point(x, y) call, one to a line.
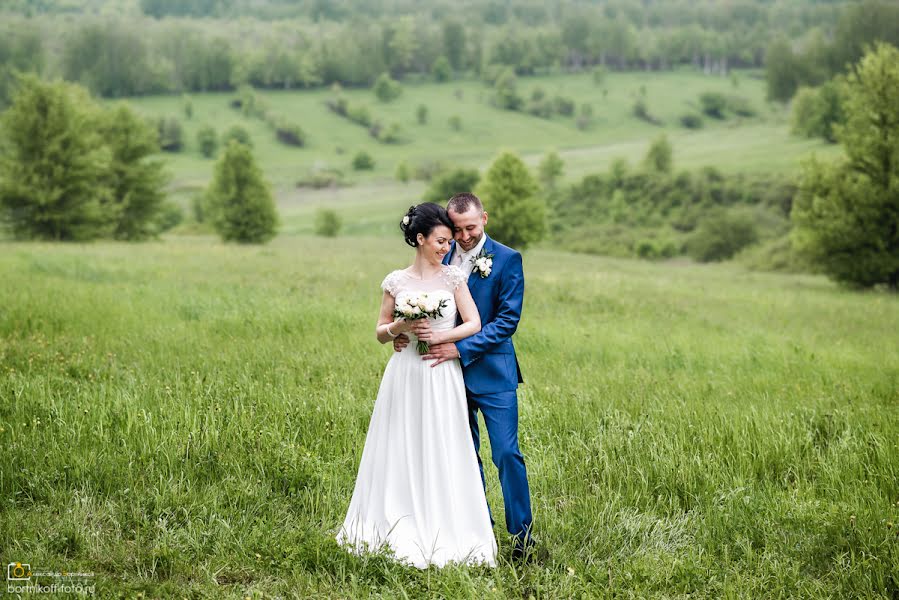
point(436, 245)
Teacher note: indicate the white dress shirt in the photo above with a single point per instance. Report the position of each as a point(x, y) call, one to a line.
point(463, 259)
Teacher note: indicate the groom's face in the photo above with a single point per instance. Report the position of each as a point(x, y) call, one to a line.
point(469, 227)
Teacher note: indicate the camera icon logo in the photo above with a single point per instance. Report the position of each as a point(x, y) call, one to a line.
point(18, 572)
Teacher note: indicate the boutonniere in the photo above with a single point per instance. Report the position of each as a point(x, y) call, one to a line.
point(483, 263)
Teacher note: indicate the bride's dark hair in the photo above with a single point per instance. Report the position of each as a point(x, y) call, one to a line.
point(423, 219)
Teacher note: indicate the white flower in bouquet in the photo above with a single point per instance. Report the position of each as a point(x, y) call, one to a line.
point(421, 307)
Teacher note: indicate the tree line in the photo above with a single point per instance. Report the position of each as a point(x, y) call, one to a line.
point(719, 14)
point(128, 55)
point(820, 54)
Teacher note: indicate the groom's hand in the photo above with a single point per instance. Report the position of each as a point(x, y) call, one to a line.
point(441, 353)
point(400, 342)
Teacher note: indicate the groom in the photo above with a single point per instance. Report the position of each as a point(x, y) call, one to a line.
point(489, 365)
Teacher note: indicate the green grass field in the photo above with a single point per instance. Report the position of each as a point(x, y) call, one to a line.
point(184, 418)
point(761, 143)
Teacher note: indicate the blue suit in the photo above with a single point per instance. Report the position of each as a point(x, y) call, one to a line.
point(492, 375)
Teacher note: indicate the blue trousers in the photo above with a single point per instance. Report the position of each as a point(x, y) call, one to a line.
point(500, 412)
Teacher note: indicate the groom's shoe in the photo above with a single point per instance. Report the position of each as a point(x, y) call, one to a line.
point(524, 552)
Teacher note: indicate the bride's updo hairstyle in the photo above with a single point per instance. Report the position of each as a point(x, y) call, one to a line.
point(423, 219)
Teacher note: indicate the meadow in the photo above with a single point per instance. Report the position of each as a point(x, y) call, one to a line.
point(760, 143)
point(184, 418)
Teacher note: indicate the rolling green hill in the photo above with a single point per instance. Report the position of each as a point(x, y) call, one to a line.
point(760, 143)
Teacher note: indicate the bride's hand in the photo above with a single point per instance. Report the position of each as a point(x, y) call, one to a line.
point(422, 330)
point(400, 326)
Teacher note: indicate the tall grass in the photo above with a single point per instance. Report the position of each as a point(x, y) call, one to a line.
point(186, 419)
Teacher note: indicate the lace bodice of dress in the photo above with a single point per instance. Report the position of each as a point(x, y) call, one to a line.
point(400, 284)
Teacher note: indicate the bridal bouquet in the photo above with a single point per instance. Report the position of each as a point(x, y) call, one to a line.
point(420, 307)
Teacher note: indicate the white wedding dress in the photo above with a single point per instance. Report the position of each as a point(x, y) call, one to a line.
point(419, 489)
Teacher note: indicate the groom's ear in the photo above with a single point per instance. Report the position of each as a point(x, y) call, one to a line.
point(485, 217)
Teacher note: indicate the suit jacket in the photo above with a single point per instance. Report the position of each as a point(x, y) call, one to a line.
point(489, 364)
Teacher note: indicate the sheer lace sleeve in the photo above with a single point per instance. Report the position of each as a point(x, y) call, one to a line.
point(391, 283)
point(454, 276)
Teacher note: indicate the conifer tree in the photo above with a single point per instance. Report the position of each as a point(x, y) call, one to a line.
point(136, 182)
point(53, 164)
point(847, 213)
point(239, 199)
point(509, 193)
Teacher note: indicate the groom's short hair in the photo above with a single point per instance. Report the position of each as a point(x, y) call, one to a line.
point(463, 202)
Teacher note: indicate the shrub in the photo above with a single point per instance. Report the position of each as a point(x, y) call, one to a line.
point(451, 182)
point(816, 111)
point(238, 134)
point(691, 121)
point(386, 89)
point(208, 141)
point(584, 117)
point(390, 135)
point(358, 113)
point(248, 101)
point(667, 249)
point(563, 106)
point(170, 215)
point(720, 236)
point(171, 136)
point(540, 108)
point(327, 222)
point(647, 249)
point(506, 95)
point(290, 134)
point(713, 104)
point(363, 161)
point(550, 169)
point(199, 208)
point(740, 106)
point(428, 170)
point(776, 254)
point(421, 114)
point(402, 172)
point(442, 70)
point(658, 158)
point(322, 176)
point(338, 105)
point(455, 123)
point(642, 112)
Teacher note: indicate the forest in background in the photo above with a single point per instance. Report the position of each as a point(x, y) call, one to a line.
point(127, 48)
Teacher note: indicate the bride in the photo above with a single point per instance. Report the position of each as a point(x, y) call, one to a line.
point(419, 490)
